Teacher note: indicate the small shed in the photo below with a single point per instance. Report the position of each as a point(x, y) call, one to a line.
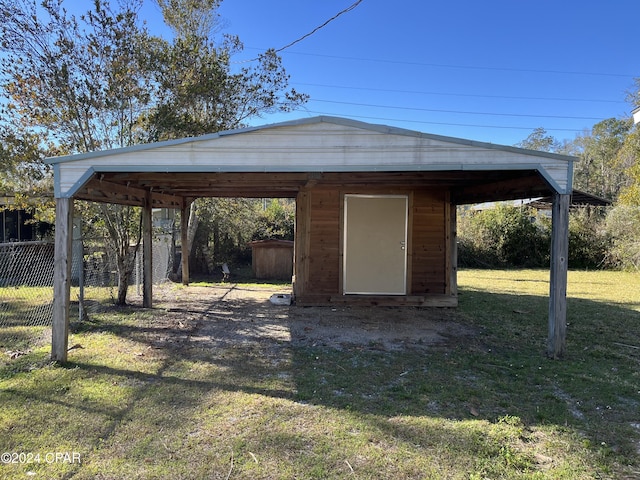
point(272, 259)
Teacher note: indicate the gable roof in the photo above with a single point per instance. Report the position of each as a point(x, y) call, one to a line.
point(312, 146)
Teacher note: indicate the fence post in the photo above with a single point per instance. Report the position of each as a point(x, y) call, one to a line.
point(78, 261)
point(62, 279)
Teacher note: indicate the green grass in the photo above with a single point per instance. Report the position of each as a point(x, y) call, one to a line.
point(139, 400)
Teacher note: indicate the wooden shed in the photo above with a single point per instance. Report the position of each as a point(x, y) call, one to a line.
point(272, 259)
point(375, 205)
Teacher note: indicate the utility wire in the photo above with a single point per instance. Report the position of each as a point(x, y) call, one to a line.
point(298, 40)
point(307, 35)
point(452, 94)
point(454, 111)
point(575, 130)
point(467, 67)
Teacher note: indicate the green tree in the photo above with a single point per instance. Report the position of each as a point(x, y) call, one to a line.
point(276, 221)
point(78, 83)
point(629, 155)
point(599, 170)
point(539, 140)
point(202, 91)
point(23, 176)
point(100, 80)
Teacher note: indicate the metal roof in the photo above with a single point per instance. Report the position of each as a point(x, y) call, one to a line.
point(278, 160)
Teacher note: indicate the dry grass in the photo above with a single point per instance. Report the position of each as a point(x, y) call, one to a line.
point(140, 399)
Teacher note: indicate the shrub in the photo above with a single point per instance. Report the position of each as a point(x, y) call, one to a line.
point(503, 236)
point(623, 226)
point(508, 236)
point(589, 241)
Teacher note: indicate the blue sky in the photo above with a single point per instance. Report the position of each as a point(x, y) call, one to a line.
point(489, 71)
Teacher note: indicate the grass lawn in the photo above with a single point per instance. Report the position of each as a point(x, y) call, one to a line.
point(138, 399)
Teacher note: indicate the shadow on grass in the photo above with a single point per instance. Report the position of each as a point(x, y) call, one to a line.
point(502, 371)
point(499, 375)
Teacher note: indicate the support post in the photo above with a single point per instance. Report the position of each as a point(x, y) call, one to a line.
point(62, 279)
point(184, 241)
point(147, 254)
point(556, 342)
point(452, 257)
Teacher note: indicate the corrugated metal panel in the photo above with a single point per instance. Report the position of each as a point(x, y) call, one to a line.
point(321, 144)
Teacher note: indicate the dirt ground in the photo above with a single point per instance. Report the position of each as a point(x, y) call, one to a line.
point(232, 314)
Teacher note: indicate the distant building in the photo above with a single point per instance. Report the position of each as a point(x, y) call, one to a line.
point(18, 225)
point(636, 115)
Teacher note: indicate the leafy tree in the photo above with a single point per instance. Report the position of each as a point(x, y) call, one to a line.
point(589, 240)
point(539, 140)
point(100, 80)
point(78, 83)
point(599, 170)
point(202, 91)
point(629, 155)
point(276, 221)
point(23, 176)
point(225, 228)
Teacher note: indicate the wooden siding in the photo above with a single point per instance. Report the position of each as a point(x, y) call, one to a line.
point(324, 242)
point(428, 243)
point(272, 259)
point(318, 254)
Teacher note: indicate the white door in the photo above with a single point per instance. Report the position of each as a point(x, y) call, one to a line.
point(375, 244)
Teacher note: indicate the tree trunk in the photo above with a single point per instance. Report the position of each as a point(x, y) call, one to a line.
point(192, 227)
point(117, 222)
point(123, 281)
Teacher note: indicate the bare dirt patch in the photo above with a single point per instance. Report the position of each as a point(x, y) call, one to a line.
point(232, 314)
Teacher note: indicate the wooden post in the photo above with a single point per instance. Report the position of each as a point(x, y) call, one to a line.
point(301, 245)
point(147, 254)
point(452, 258)
point(62, 279)
point(556, 342)
point(184, 241)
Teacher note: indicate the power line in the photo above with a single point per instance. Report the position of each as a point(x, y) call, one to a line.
point(453, 94)
point(467, 67)
point(455, 111)
point(307, 35)
point(385, 119)
point(298, 40)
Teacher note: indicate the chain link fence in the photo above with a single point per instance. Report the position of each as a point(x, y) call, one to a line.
point(26, 285)
point(26, 294)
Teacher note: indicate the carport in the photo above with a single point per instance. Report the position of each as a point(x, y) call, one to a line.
point(375, 205)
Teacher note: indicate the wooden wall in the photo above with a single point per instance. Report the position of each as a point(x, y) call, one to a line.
point(429, 247)
point(272, 259)
point(318, 250)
